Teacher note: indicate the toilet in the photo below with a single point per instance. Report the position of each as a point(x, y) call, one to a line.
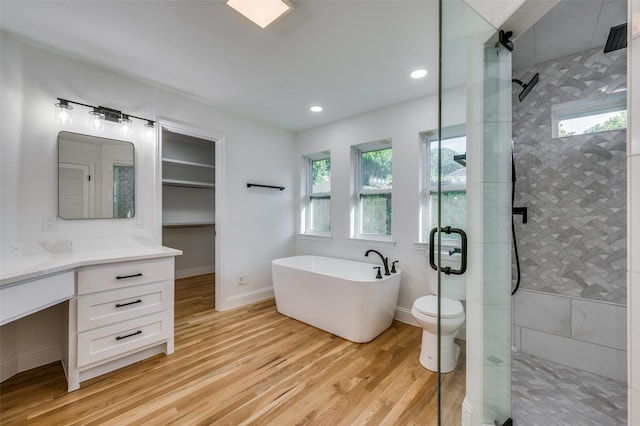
point(425, 312)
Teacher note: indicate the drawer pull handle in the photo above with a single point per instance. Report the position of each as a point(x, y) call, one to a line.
point(129, 335)
point(120, 305)
point(122, 277)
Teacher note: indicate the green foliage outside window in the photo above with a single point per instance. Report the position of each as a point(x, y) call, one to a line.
point(376, 169)
point(452, 173)
point(616, 122)
point(321, 175)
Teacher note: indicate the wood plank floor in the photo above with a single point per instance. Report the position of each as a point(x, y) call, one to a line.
point(248, 366)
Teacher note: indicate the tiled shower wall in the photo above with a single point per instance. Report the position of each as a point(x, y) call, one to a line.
point(573, 250)
point(575, 242)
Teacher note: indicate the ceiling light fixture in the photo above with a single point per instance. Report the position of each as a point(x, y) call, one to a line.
point(261, 12)
point(419, 73)
point(316, 108)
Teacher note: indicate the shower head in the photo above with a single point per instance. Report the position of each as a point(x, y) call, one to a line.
point(526, 88)
point(617, 38)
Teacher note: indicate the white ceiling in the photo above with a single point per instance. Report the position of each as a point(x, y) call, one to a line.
point(571, 26)
point(350, 56)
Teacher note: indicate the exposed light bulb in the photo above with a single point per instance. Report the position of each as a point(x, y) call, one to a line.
point(96, 121)
point(125, 129)
point(63, 114)
point(149, 131)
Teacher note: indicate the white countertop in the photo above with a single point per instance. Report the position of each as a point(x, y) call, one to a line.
point(29, 260)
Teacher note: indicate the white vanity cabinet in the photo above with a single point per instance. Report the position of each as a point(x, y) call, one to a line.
point(122, 313)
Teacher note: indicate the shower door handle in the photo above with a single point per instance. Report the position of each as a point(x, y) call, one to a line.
point(463, 261)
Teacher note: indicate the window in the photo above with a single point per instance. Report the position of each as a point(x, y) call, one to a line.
point(373, 185)
point(453, 183)
point(318, 208)
point(592, 115)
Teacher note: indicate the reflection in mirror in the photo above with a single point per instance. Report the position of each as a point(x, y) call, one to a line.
point(95, 177)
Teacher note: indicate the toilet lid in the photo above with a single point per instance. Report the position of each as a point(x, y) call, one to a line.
point(449, 308)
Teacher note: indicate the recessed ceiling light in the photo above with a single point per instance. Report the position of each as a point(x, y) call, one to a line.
point(316, 108)
point(261, 12)
point(420, 73)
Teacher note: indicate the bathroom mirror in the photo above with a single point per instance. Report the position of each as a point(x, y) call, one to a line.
point(95, 177)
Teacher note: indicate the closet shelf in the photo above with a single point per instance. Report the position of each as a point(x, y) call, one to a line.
point(187, 183)
point(186, 224)
point(188, 163)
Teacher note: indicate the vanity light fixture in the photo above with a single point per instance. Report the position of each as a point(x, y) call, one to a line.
point(316, 108)
point(125, 126)
point(261, 12)
point(149, 130)
point(99, 115)
point(63, 112)
point(97, 119)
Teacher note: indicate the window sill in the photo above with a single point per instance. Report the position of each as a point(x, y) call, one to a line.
point(315, 237)
point(369, 242)
point(420, 246)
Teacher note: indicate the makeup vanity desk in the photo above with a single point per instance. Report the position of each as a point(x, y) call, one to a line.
point(119, 293)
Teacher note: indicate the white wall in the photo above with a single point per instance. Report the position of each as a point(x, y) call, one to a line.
point(257, 227)
point(401, 123)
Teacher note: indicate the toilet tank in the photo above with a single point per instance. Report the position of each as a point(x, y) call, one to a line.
point(453, 286)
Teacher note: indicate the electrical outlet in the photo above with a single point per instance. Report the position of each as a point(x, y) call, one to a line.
point(49, 223)
point(244, 279)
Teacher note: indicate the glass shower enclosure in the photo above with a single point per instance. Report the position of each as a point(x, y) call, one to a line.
point(475, 95)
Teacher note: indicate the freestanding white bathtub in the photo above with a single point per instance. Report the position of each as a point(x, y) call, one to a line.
point(340, 296)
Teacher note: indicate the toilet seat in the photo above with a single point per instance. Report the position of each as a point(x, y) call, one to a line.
point(428, 305)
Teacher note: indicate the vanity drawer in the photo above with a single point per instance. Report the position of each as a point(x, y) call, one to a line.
point(123, 274)
point(102, 343)
point(100, 309)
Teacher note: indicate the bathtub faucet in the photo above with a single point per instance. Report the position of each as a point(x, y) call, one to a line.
point(385, 261)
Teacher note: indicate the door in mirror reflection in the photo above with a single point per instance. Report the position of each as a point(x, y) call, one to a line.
point(96, 177)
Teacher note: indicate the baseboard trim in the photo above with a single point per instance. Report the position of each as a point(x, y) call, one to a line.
point(9, 369)
point(404, 315)
point(192, 272)
point(24, 362)
point(246, 298)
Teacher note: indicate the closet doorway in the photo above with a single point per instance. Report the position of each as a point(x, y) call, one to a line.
point(189, 177)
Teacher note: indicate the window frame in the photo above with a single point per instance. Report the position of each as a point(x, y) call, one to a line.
point(358, 192)
point(309, 195)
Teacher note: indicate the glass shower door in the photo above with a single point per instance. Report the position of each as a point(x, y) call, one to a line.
point(473, 254)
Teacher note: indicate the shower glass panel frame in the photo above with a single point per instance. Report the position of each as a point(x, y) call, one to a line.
point(475, 91)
